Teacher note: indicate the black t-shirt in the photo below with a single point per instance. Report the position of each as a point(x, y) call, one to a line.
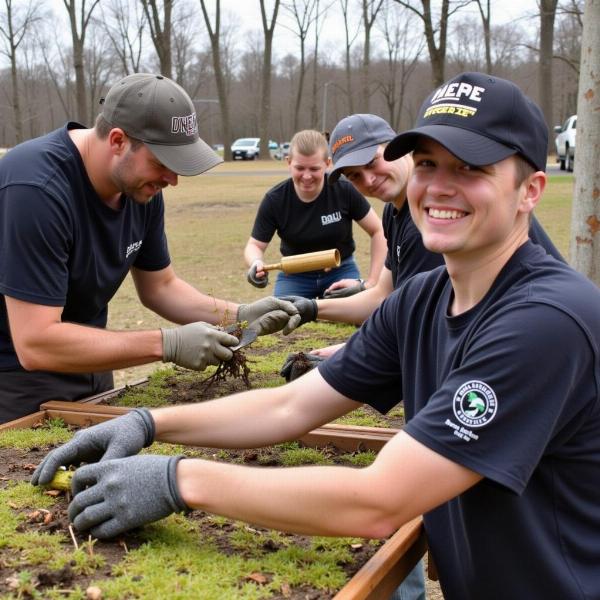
point(407, 255)
point(509, 389)
point(60, 245)
point(322, 224)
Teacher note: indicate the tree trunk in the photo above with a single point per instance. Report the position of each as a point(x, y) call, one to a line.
point(585, 223)
point(220, 80)
point(161, 33)
point(265, 105)
point(78, 38)
point(547, 16)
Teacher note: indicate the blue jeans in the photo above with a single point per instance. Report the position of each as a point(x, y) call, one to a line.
point(312, 284)
point(413, 586)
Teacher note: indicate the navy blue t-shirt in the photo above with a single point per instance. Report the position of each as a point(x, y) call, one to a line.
point(60, 245)
point(322, 224)
point(508, 389)
point(407, 255)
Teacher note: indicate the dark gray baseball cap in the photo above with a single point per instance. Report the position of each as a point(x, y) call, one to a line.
point(355, 140)
point(160, 113)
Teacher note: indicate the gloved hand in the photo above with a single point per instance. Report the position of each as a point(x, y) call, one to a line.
point(123, 436)
point(114, 496)
point(298, 363)
point(345, 291)
point(259, 282)
point(307, 307)
point(196, 345)
point(268, 315)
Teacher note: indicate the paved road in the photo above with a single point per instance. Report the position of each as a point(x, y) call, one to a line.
point(554, 169)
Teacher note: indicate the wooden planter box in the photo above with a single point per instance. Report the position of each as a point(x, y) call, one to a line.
point(377, 578)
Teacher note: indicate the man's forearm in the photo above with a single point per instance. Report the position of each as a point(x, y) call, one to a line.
point(353, 309)
point(299, 500)
point(181, 303)
point(72, 348)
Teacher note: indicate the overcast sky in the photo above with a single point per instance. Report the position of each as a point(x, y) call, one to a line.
point(248, 14)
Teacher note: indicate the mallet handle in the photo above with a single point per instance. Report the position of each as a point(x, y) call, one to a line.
point(311, 261)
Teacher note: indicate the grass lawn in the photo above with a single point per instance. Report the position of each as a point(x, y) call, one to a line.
point(208, 221)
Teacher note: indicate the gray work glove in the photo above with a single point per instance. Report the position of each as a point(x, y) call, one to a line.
point(259, 282)
point(196, 345)
point(298, 363)
point(347, 291)
point(123, 436)
point(113, 496)
point(269, 315)
point(307, 307)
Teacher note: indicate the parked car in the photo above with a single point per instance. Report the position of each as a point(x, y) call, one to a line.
point(283, 151)
point(565, 143)
point(249, 148)
point(245, 149)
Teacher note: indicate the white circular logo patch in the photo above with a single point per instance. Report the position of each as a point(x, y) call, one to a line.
point(475, 404)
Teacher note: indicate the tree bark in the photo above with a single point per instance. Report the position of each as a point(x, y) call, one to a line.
point(585, 222)
point(78, 37)
point(220, 79)
point(265, 105)
point(547, 16)
point(161, 32)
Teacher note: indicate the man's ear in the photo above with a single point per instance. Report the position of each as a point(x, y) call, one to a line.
point(118, 141)
point(533, 187)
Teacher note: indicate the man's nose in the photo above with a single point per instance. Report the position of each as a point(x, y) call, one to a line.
point(170, 177)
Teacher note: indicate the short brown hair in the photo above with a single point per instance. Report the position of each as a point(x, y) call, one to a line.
point(308, 142)
point(103, 128)
point(523, 169)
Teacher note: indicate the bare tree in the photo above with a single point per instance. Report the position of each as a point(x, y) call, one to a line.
point(350, 38)
point(99, 68)
point(223, 86)
point(319, 22)
point(585, 225)
point(184, 32)
point(567, 34)
point(486, 14)
point(124, 25)
point(547, 16)
point(160, 31)
point(370, 9)
point(265, 104)
point(402, 55)
point(303, 13)
point(437, 49)
point(80, 21)
point(14, 25)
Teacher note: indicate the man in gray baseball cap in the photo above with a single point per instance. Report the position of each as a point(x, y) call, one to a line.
point(81, 208)
point(159, 112)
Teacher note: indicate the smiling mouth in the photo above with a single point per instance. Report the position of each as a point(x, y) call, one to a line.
point(445, 214)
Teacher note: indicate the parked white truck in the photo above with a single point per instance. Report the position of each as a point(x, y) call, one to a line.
point(565, 143)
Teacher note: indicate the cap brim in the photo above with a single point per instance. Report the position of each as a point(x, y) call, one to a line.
point(356, 158)
point(188, 159)
point(468, 146)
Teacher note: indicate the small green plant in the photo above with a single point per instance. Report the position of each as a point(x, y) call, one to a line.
point(360, 459)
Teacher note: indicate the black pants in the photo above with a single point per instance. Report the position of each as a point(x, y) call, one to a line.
point(22, 392)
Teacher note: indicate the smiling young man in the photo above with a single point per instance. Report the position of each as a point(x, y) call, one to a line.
point(79, 209)
point(496, 356)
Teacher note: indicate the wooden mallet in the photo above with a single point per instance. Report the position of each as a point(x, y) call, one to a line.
point(311, 261)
